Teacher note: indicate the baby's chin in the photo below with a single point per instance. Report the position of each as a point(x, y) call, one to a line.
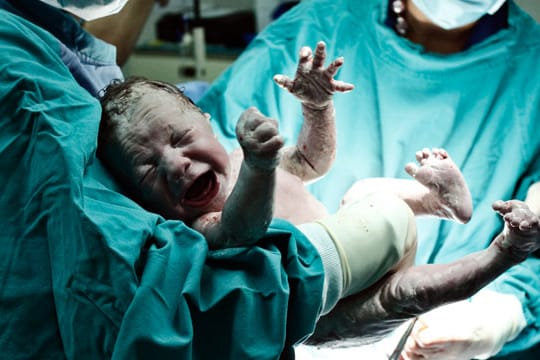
point(216, 205)
point(189, 214)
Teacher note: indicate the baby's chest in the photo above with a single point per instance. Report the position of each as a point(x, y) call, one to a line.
point(293, 202)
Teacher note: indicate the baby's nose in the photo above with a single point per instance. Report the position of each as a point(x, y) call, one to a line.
point(175, 166)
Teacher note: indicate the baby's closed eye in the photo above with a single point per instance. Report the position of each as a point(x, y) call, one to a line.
point(177, 139)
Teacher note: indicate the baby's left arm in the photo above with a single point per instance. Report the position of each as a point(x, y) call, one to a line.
point(314, 85)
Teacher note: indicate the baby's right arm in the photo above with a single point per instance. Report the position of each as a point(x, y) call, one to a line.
point(314, 86)
point(250, 206)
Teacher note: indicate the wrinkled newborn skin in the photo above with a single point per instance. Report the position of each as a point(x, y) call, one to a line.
point(368, 316)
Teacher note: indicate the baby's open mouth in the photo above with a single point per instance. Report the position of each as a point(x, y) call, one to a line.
point(202, 191)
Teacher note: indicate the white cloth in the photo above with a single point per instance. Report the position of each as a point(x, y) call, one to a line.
point(89, 9)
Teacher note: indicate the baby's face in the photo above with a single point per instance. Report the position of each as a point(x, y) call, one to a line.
point(177, 165)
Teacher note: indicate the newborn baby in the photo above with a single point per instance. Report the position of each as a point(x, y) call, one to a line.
point(161, 147)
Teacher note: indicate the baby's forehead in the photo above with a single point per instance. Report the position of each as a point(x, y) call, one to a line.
point(139, 90)
point(169, 93)
point(159, 107)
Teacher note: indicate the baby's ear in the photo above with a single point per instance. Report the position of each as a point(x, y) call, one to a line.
point(207, 116)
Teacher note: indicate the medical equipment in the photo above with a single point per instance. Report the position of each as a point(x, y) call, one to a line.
point(402, 341)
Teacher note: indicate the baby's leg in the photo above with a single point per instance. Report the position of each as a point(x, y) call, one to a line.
point(372, 237)
point(448, 195)
point(402, 295)
point(520, 236)
point(439, 190)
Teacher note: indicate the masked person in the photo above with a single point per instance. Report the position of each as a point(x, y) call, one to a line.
point(458, 74)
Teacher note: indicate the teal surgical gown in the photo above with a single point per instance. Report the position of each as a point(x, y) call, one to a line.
point(482, 105)
point(85, 273)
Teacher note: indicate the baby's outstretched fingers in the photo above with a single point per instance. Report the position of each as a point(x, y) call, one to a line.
point(514, 208)
point(305, 61)
point(343, 86)
point(334, 66)
point(284, 81)
point(320, 55)
point(313, 84)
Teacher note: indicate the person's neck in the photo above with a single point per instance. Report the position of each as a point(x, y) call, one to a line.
point(433, 38)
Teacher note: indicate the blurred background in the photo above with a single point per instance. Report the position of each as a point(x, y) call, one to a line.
point(196, 40)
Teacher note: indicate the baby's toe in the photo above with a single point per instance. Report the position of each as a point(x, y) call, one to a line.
point(411, 169)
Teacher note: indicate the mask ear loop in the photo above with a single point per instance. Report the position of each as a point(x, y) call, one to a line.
point(398, 8)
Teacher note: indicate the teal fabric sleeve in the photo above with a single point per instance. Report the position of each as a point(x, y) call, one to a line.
point(87, 274)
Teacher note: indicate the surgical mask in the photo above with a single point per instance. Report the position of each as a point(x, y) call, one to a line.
point(452, 14)
point(88, 9)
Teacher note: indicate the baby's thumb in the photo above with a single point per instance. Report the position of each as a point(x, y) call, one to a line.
point(283, 81)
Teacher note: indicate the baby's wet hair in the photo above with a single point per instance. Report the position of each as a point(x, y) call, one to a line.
point(119, 98)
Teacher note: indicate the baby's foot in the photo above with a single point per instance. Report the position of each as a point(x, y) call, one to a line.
point(521, 234)
point(449, 195)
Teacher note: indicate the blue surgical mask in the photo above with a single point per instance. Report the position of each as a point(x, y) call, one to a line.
point(89, 9)
point(452, 14)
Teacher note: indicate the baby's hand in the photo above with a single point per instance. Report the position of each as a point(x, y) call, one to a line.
point(259, 138)
point(314, 85)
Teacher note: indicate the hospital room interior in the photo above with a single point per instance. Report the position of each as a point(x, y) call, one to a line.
point(170, 49)
point(270, 179)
